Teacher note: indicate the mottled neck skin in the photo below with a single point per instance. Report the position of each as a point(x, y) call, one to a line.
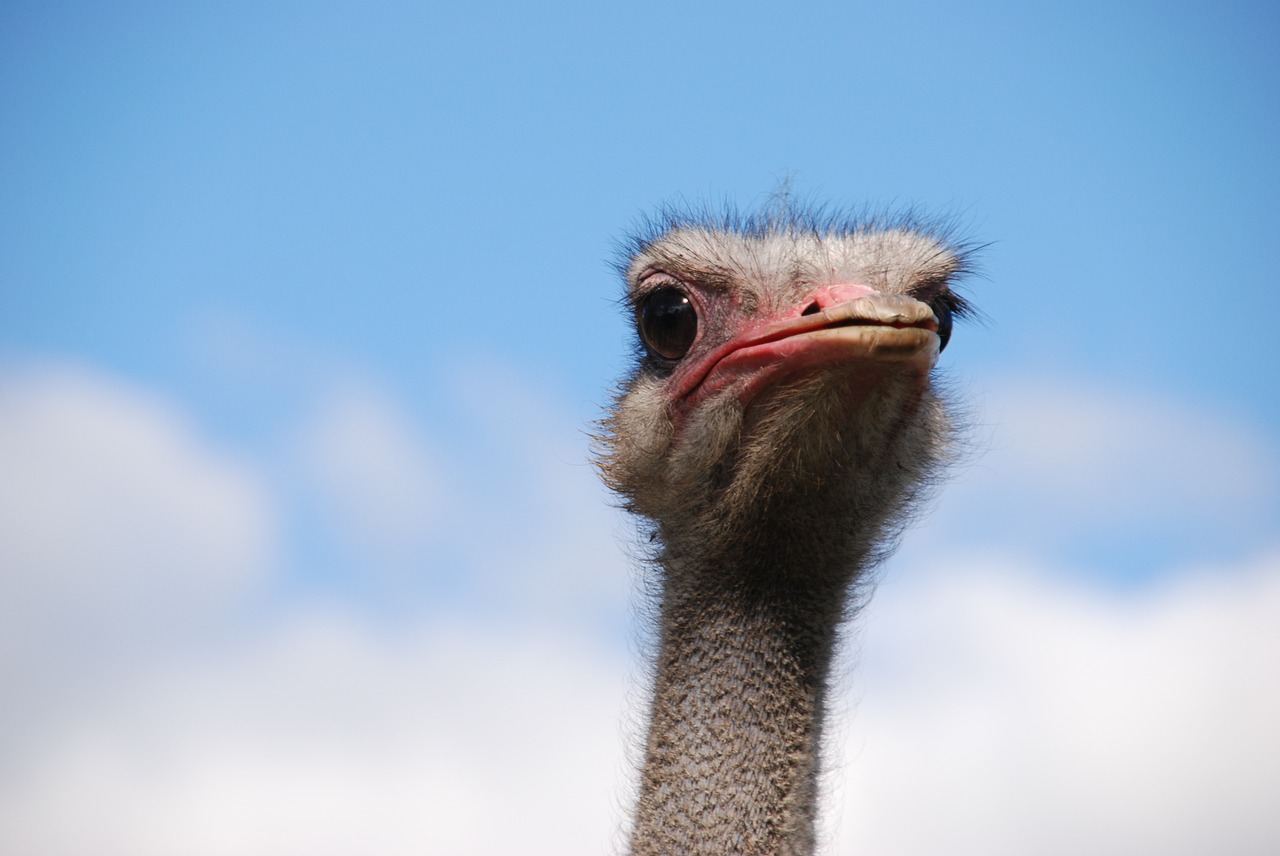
point(745, 650)
point(732, 759)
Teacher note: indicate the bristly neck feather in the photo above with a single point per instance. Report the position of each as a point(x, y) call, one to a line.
point(733, 753)
point(750, 609)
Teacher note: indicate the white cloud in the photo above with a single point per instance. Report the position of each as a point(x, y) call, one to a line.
point(331, 737)
point(548, 534)
point(1059, 461)
point(1001, 708)
point(1114, 450)
point(1004, 710)
point(304, 730)
point(998, 713)
point(114, 514)
point(377, 477)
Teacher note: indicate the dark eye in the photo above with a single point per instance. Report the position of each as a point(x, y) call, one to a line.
point(943, 313)
point(668, 322)
point(947, 306)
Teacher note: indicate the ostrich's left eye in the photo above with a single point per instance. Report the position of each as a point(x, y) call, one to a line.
point(946, 305)
point(668, 323)
point(943, 313)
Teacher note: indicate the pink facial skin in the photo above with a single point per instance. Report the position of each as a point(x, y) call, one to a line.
point(839, 324)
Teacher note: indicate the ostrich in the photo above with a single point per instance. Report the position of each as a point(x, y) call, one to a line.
point(779, 425)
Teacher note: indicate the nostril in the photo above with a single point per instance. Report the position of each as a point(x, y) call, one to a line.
point(835, 294)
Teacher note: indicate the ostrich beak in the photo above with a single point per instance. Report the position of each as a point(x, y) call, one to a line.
point(874, 330)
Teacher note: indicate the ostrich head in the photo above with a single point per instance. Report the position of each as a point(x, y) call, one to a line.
point(779, 422)
point(782, 389)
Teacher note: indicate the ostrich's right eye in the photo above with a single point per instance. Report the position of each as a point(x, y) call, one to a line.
point(668, 323)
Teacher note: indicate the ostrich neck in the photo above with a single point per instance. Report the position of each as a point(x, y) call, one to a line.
point(755, 581)
point(732, 755)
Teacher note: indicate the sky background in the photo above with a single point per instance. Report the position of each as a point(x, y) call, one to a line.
point(306, 310)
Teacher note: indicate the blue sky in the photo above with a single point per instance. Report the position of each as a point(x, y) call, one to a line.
point(306, 309)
